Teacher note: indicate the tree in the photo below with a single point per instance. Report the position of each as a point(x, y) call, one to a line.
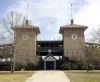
point(94, 50)
point(2, 38)
point(95, 35)
point(12, 19)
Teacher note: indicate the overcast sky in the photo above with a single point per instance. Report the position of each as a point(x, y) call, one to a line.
point(49, 15)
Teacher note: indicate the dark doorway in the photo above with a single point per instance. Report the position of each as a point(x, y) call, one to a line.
point(48, 61)
point(50, 65)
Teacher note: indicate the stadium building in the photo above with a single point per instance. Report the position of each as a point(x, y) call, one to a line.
point(48, 54)
point(28, 49)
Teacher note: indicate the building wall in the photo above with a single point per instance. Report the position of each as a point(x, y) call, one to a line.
point(6, 52)
point(25, 50)
point(74, 48)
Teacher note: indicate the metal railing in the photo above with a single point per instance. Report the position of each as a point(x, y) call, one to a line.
point(54, 49)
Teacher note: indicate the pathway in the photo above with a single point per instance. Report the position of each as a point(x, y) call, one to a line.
point(48, 76)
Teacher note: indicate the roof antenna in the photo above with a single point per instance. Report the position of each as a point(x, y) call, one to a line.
point(27, 21)
point(72, 21)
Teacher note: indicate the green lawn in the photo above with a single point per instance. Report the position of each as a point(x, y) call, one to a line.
point(16, 77)
point(74, 76)
point(83, 76)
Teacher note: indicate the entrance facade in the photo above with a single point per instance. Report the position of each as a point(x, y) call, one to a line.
point(29, 50)
point(48, 59)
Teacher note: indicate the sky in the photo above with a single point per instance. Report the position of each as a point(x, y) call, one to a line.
point(49, 15)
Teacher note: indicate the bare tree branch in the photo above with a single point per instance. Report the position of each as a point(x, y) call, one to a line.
point(12, 19)
point(95, 35)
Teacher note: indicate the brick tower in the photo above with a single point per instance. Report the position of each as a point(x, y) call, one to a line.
point(73, 38)
point(25, 38)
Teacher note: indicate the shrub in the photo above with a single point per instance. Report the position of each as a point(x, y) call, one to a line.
point(31, 66)
point(18, 67)
point(66, 66)
point(73, 66)
point(81, 65)
point(90, 66)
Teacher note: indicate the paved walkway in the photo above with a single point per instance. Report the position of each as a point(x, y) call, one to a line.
point(48, 76)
